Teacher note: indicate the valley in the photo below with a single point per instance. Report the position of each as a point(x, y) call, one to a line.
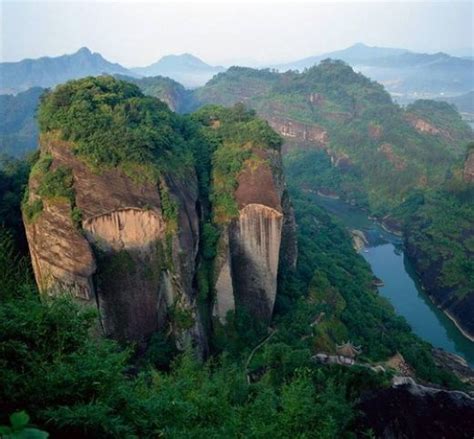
point(196, 252)
point(384, 252)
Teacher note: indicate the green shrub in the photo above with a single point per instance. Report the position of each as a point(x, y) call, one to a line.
point(57, 184)
point(32, 210)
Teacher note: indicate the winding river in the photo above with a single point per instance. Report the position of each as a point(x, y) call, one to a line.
point(384, 253)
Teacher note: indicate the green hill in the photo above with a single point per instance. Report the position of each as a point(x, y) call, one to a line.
point(345, 135)
point(383, 149)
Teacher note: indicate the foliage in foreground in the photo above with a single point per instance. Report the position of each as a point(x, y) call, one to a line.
point(75, 384)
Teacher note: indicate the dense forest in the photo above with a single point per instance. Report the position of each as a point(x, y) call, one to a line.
point(257, 381)
point(344, 135)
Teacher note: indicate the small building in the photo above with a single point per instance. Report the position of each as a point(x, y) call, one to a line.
point(347, 352)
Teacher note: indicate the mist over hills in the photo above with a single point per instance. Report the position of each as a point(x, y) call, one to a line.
point(464, 103)
point(50, 71)
point(359, 53)
point(405, 74)
point(186, 68)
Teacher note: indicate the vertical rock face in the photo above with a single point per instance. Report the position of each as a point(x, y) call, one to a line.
point(115, 213)
point(121, 257)
point(255, 241)
point(62, 259)
point(250, 249)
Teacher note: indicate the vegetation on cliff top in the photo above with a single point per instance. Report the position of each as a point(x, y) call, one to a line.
point(232, 136)
point(111, 123)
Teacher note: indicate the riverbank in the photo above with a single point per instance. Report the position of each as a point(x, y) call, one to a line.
point(402, 286)
point(468, 336)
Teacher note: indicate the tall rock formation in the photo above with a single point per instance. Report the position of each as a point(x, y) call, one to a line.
point(112, 238)
point(115, 211)
point(258, 239)
point(122, 255)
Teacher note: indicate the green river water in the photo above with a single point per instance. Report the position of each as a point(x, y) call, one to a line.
point(385, 255)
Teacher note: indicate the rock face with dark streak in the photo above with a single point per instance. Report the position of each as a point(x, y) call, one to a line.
point(253, 245)
point(122, 258)
point(413, 411)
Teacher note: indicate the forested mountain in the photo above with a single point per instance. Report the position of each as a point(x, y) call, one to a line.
point(50, 71)
point(177, 97)
point(389, 148)
point(178, 233)
point(378, 154)
point(186, 69)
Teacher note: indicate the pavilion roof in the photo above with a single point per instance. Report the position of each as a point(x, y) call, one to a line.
point(348, 350)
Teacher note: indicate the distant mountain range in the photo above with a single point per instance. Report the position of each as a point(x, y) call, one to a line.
point(407, 74)
point(50, 71)
point(186, 69)
point(47, 72)
point(357, 54)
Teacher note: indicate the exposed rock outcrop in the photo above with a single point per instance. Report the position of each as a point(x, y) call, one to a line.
point(253, 245)
point(421, 125)
point(375, 131)
point(123, 256)
point(398, 162)
point(296, 130)
point(409, 410)
point(115, 214)
point(455, 364)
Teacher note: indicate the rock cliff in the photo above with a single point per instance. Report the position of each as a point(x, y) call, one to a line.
point(257, 239)
point(116, 207)
point(292, 129)
point(251, 243)
point(409, 410)
point(121, 255)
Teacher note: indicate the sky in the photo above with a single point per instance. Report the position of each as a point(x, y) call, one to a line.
point(139, 33)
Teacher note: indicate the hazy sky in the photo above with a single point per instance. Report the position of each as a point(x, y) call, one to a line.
point(138, 33)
